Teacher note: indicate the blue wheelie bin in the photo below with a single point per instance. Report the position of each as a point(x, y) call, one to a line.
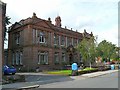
point(112, 67)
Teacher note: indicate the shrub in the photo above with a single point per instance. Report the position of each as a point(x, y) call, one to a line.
point(87, 70)
point(103, 68)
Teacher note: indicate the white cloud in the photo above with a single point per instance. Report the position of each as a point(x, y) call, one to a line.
point(110, 35)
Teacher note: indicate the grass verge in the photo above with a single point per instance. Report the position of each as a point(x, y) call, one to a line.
point(68, 72)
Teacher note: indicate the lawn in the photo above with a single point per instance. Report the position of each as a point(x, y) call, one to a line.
point(67, 72)
point(60, 72)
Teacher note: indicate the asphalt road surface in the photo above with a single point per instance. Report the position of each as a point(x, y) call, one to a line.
point(104, 81)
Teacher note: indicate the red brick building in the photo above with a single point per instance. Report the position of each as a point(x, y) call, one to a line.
point(2, 29)
point(37, 43)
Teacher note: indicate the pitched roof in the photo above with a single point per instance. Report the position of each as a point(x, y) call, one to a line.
point(35, 20)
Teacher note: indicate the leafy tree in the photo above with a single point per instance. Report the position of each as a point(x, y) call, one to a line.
point(106, 50)
point(115, 55)
point(87, 48)
point(7, 22)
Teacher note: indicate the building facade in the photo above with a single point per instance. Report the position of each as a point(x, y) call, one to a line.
point(2, 24)
point(2, 28)
point(5, 56)
point(35, 43)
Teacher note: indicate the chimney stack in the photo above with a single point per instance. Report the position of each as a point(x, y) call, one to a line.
point(58, 21)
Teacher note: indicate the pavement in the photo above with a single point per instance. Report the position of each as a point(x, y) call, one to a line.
point(36, 84)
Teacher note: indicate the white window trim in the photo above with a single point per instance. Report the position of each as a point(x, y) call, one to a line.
point(56, 55)
point(62, 44)
point(13, 58)
point(77, 41)
point(17, 38)
point(21, 57)
point(64, 60)
point(36, 37)
point(41, 39)
point(45, 57)
point(17, 58)
point(66, 41)
point(38, 57)
point(72, 41)
point(33, 31)
point(59, 41)
point(55, 40)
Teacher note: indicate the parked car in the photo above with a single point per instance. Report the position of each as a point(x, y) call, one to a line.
point(9, 70)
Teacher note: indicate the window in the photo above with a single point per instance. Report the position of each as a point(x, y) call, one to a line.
point(33, 31)
point(62, 40)
point(78, 41)
point(66, 41)
point(17, 58)
point(38, 58)
point(17, 38)
point(42, 37)
point(63, 57)
point(42, 57)
point(75, 42)
point(56, 39)
point(72, 41)
point(36, 34)
point(69, 41)
point(13, 58)
point(56, 57)
point(20, 57)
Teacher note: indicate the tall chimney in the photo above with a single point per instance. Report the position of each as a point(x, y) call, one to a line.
point(58, 21)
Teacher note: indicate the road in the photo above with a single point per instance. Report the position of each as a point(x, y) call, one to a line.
point(104, 81)
point(101, 79)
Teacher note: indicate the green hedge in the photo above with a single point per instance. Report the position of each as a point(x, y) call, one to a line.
point(87, 70)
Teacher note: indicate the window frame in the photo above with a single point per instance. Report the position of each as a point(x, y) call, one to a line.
point(56, 55)
point(45, 58)
point(56, 39)
point(62, 40)
point(42, 37)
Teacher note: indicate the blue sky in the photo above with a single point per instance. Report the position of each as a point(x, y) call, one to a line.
point(98, 16)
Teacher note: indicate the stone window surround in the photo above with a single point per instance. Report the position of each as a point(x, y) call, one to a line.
point(17, 57)
point(45, 57)
point(56, 57)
